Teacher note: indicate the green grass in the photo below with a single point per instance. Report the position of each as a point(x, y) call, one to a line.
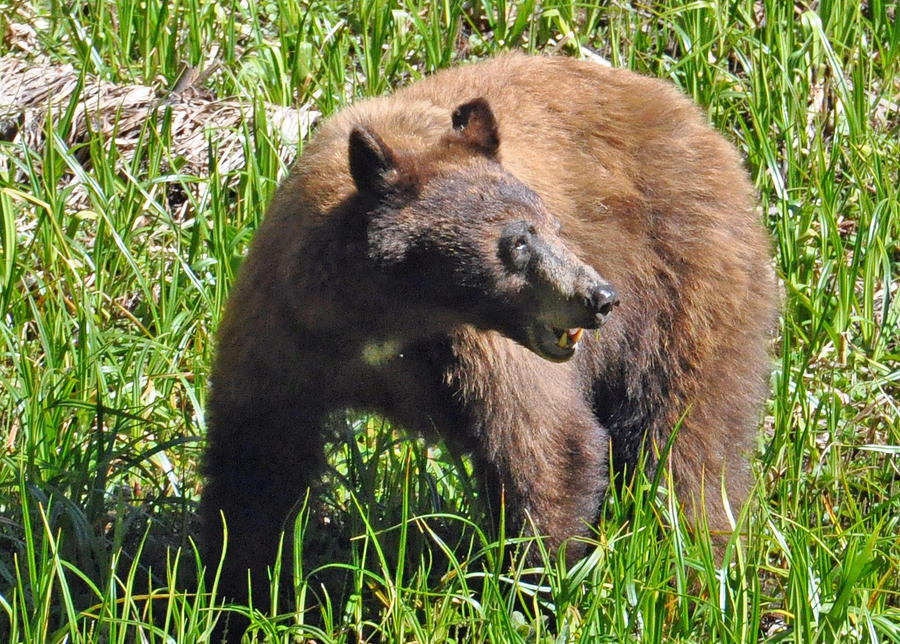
point(109, 314)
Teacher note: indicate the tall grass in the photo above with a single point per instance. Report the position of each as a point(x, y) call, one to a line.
point(109, 314)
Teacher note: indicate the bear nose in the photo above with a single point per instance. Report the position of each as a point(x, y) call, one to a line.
point(602, 300)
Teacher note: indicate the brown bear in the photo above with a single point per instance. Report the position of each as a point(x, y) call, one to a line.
point(434, 257)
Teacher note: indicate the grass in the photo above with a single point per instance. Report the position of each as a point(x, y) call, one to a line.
point(109, 314)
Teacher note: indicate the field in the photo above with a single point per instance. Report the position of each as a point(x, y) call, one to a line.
point(131, 182)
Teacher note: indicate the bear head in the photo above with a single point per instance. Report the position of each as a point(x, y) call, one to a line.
point(450, 232)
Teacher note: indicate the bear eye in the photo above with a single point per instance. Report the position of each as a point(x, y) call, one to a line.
point(515, 245)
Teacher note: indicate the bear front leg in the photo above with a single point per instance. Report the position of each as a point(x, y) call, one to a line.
point(541, 451)
point(259, 467)
point(554, 489)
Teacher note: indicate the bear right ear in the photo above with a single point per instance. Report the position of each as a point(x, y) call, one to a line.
point(476, 123)
point(370, 160)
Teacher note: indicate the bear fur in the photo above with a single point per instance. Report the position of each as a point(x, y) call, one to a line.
point(427, 254)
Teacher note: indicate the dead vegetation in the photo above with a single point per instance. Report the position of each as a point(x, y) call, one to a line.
point(39, 98)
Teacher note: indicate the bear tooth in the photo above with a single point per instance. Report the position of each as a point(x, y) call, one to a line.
point(569, 338)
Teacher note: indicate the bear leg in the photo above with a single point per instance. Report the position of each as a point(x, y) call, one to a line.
point(257, 479)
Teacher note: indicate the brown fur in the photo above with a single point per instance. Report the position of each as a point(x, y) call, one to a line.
point(648, 196)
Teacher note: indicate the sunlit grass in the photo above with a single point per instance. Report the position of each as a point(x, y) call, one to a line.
point(109, 312)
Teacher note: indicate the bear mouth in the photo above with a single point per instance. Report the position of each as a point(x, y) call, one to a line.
point(551, 343)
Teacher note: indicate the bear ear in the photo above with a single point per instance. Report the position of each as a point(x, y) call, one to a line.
point(476, 124)
point(370, 160)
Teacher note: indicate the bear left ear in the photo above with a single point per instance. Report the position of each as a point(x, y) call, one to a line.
point(370, 160)
point(476, 124)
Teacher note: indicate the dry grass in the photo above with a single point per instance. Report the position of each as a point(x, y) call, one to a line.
point(116, 115)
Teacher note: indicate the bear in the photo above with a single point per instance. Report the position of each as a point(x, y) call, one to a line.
point(547, 263)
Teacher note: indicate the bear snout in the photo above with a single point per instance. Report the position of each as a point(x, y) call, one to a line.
point(601, 301)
